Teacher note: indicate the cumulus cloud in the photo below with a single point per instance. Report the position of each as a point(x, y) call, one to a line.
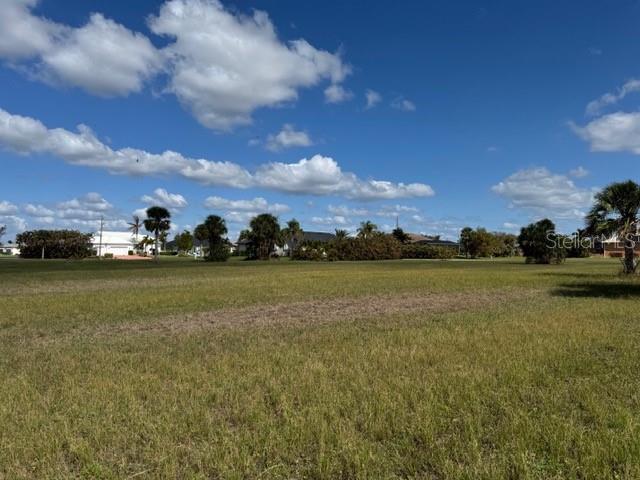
point(102, 57)
point(318, 175)
point(226, 65)
point(337, 94)
point(14, 223)
point(23, 35)
point(7, 208)
point(288, 137)
point(611, 98)
point(544, 193)
point(162, 198)
point(373, 98)
point(403, 104)
point(221, 65)
point(323, 176)
point(615, 132)
point(257, 204)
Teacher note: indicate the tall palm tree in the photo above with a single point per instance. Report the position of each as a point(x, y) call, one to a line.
point(341, 234)
point(265, 234)
point(292, 234)
point(135, 226)
point(615, 212)
point(158, 220)
point(367, 229)
point(3, 230)
point(213, 230)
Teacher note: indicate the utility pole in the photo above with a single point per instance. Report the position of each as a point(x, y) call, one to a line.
point(100, 244)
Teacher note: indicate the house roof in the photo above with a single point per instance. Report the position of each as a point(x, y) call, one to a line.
point(318, 236)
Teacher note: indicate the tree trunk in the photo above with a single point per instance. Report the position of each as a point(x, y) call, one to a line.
point(156, 253)
point(629, 260)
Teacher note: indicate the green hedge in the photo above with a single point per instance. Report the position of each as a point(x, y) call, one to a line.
point(377, 247)
point(428, 252)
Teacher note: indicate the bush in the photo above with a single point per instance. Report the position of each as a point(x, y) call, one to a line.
point(541, 244)
point(218, 252)
point(108, 255)
point(56, 244)
point(378, 246)
point(428, 252)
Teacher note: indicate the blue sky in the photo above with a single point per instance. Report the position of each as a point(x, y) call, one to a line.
point(444, 114)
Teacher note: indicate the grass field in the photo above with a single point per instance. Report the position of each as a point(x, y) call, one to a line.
point(382, 370)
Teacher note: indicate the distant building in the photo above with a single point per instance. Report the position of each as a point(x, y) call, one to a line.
point(117, 244)
point(615, 247)
point(10, 249)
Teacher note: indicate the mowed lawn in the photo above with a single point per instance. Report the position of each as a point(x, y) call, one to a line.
point(284, 370)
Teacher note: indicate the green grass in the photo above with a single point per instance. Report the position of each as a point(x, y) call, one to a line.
point(542, 382)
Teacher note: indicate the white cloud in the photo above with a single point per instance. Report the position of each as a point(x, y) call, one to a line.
point(446, 228)
point(345, 211)
point(337, 94)
point(596, 106)
point(226, 65)
point(323, 176)
point(221, 65)
point(395, 210)
point(315, 176)
point(579, 172)
point(7, 208)
point(335, 220)
point(615, 132)
point(373, 98)
point(492, 149)
point(511, 226)
point(288, 137)
point(162, 198)
point(258, 204)
point(13, 223)
point(403, 104)
point(103, 58)
point(545, 193)
point(23, 35)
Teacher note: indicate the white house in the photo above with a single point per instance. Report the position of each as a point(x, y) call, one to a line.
point(116, 243)
point(10, 249)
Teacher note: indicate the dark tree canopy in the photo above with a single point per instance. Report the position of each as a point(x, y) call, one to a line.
point(184, 241)
point(157, 222)
point(213, 231)
point(540, 243)
point(263, 236)
point(56, 244)
point(399, 235)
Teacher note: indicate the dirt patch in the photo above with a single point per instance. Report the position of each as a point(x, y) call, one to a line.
point(317, 311)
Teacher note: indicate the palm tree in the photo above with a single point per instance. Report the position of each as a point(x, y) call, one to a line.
point(341, 234)
point(3, 230)
point(157, 222)
point(292, 234)
point(213, 230)
point(264, 235)
point(367, 229)
point(615, 211)
point(135, 226)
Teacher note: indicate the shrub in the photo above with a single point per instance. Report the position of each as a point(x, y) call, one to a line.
point(377, 246)
point(56, 244)
point(218, 252)
point(428, 252)
point(108, 255)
